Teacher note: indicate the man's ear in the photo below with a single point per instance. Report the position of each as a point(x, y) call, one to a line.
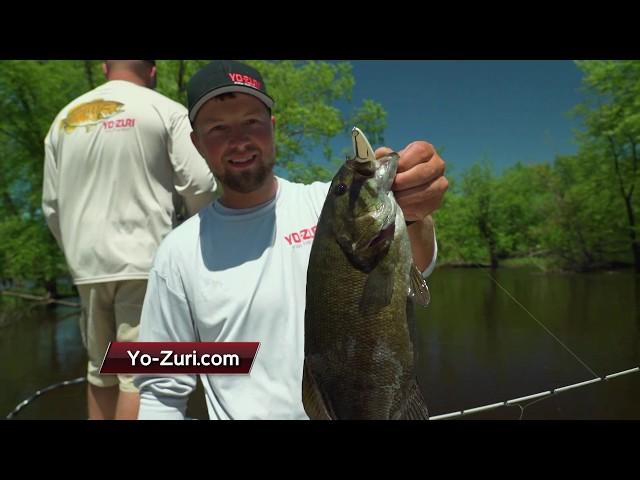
point(195, 141)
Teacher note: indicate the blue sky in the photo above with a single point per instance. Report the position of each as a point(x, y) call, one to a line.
point(506, 110)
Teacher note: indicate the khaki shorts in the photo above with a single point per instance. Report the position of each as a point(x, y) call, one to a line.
point(110, 313)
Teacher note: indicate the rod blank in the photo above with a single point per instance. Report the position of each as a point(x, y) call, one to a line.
point(624, 372)
point(483, 408)
point(576, 385)
point(446, 415)
point(530, 397)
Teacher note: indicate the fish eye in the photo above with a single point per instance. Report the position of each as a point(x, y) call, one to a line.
point(340, 189)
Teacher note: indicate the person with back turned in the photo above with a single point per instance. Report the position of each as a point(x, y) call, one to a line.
point(119, 162)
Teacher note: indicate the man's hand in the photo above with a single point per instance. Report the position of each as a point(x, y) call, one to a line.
point(418, 188)
point(420, 183)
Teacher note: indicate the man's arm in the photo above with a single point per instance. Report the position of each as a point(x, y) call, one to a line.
point(50, 189)
point(165, 318)
point(193, 178)
point(419, 187)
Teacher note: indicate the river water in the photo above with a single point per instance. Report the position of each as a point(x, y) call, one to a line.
point(482, 340)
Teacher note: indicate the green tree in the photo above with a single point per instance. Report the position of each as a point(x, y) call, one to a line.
point(467, 218)
point(173, 76)
point(479, 190)
point(585, 227)
point(612, 119)
point(33, 92)
point(458, 241)
point(488, 218)
point(519, 208)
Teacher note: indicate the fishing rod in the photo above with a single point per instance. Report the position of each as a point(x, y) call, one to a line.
point(29, 400)
point(75, 381)
point(540, 396)
point(537, 397)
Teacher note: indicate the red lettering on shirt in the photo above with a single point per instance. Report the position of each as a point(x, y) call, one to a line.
point(119, 123)
point(301, 236)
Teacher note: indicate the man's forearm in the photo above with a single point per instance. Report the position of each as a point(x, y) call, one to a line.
point(54, 226)
point(422, 237)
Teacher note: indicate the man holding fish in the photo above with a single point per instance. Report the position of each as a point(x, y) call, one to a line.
point(237, 272)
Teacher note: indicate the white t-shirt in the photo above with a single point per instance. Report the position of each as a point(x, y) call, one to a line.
point(236, 275)
point(115, 158)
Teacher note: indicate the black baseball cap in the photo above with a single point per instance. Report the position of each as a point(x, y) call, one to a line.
point(224, 76)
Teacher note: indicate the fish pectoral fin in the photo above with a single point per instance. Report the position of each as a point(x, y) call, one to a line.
point(312, 399)
point(418, 289)
point(377, 292)
point(415, 408)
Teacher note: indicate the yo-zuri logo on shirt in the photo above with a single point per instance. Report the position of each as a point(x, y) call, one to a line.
point(90, 114)
point(119, 123)
point(301, 236)
point(245, 79)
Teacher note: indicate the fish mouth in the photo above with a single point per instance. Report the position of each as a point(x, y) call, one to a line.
point(386, 172)
point(381, 172)
point(385, 234)
point(382, 169)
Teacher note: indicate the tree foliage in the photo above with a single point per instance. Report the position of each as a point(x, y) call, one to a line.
point(33, 92)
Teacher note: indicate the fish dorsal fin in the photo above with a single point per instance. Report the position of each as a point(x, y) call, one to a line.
point(362, 151)
point(418, 289)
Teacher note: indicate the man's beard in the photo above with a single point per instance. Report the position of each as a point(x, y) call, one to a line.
point(249, 180)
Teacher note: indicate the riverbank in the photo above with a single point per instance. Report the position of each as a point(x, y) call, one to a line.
point(543, 264)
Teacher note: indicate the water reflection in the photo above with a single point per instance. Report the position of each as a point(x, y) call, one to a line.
point(493, 350)
point(477, 347)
